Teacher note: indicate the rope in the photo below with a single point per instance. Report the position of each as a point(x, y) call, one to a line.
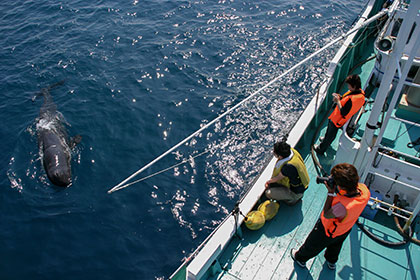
point(157, 173)
point(248, 98)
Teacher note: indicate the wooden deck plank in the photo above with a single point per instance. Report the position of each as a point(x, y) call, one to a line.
point(280, 226)
point(286, 267)
point(266, 253)
point(279, 251)
point(414, 262)
point(234, 266)
point(310, 210)
point(300, 219)
point(244, 250)
point(227, 276)
point(378, 261)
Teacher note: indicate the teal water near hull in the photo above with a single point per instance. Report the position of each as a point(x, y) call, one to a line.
point(139, 77)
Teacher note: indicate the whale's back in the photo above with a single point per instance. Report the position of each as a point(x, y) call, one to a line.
point(56, 158)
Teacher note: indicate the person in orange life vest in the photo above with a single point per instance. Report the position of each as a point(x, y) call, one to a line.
point(340, 213)
point(347, 105)
point(290, 177)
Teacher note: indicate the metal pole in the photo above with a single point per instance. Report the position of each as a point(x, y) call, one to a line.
point(395, 99)
point(367, 142)
point(367, 22)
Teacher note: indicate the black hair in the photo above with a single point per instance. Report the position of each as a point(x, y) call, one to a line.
point(354, 81)
point(345, 175)
point(282, 149)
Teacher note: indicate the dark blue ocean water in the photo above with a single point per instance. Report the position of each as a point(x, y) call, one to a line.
point(140, 76)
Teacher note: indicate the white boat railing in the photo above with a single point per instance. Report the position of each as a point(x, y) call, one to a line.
point(390, 208)
point(405, 155)
point(405, 121)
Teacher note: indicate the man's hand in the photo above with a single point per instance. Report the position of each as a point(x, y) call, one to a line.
point(330, 189)
point(336, 97)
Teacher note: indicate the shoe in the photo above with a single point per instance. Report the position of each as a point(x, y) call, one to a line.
point(299, 263)
point(321, 139)
point(318, 150)
point(331, 265)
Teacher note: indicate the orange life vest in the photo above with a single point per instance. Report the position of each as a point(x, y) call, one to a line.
point(357, 101)
point(354, 206)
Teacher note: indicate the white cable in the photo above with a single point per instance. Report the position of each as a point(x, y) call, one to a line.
point(249, 97)
point(156, 173)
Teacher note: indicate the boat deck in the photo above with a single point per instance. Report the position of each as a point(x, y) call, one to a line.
point(265, 253)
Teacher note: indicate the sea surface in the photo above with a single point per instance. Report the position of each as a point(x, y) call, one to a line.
point(139, 77)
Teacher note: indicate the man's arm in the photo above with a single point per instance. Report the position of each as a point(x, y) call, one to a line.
point(327, 208)
point(286, 171)
point(337, 211)
point(344, 110)
point(332, 212)
point(336, 99)
point(274, 179)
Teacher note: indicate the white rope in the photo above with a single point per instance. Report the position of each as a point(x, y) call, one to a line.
point(249, 97)
point(157, 173)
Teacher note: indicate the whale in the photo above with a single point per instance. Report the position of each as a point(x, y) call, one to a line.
point(55, 147)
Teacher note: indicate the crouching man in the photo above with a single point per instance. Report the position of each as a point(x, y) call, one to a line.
point(290, 177)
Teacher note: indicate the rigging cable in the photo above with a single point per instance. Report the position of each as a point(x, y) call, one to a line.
point(161, 171)
point(249, 97)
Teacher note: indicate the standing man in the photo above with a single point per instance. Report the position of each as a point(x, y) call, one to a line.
point(290, 177)
point(347, 106)
point(341, 211)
